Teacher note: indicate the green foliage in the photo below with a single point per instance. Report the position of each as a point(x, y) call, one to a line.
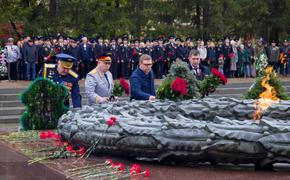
point(118, 89)
point(257, 88)
point(208, 84)
point(44, 102)
point(178, 69)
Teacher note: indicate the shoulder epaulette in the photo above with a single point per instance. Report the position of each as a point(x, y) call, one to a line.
point(94, 71)
point(49, 65)
point(75, 75)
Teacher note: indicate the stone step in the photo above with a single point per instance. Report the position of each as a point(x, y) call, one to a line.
point(9, 97)
point(11, 111)
point(15, 103)
point(9, 119)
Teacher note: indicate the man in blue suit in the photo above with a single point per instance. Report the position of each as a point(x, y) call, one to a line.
point(142, 80)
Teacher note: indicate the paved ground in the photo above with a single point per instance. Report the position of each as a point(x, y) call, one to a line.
point(13, 166)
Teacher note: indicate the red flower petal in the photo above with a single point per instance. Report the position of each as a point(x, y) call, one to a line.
point(81, 151)
point(135, 169)
point(120, 166)
point(110, 122)
point(179, 85)
point(69, 148)
point(113, 118)
point(43, 135)
point(125, 85)
point(147, 173)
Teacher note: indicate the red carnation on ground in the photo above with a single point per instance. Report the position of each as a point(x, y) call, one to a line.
point(119, 166)
point(135, 169)
point(125, 85)
point(42, 135)
point(110, 122)
point(69, 148)
point(179, 85)
point(81, 151)
point(218, 74)
point(147, 172)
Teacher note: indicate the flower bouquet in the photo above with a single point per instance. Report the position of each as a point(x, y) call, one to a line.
point(108, 170)
point(55, 148)
point(52, 54)
point(3, 68)
point(180, 84)
point(121, 87)
point(211, 82)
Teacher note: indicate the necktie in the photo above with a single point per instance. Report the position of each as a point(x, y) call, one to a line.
point(107, 80)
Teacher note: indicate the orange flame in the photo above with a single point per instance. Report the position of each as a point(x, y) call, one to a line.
point(267, 98)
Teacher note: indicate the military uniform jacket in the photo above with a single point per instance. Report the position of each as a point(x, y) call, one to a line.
point(98, 86)
point(70, 81)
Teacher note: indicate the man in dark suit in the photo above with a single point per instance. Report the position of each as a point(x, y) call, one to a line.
point(142, 80)
point(86, 56)
point(198, 70)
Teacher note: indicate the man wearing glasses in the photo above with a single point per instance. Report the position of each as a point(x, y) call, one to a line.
point(142, 80)
point(99, 82)
point(198, 70)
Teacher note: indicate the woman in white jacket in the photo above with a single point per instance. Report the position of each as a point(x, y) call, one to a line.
point(203, 53)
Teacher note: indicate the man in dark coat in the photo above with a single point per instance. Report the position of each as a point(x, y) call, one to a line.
point(86, 56)
point(198, 70)
point(142, 80)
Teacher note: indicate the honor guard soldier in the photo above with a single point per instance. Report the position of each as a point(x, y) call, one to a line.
point(99, 82)
point(61, 73)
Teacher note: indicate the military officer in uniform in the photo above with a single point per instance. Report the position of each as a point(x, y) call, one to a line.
point(99, 82)
point(61, 73)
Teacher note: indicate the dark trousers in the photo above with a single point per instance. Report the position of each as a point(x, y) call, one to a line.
point(160, 69)
point(125, 70)
point(30, 69)
point(12, 70)
point(84, 68)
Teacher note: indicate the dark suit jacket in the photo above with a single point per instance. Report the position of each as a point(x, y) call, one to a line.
point(142, 85)
point(204, 71)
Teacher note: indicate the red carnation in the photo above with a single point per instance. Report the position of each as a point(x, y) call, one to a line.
point(119, 166)
point(69, 148)
point(218, 74)
point(179, 85)
point(147, 173)
point(125, 85)
point(113, 118)
point(135, 169)
point(81, 151)
point(55, 136)
point(231, 55)
point(221, 56)
point(43, 135)
point(110, 122)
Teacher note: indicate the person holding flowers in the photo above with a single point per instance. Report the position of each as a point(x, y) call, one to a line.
point(198, 70)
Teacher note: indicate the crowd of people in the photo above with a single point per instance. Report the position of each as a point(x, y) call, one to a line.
point(232, 57)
